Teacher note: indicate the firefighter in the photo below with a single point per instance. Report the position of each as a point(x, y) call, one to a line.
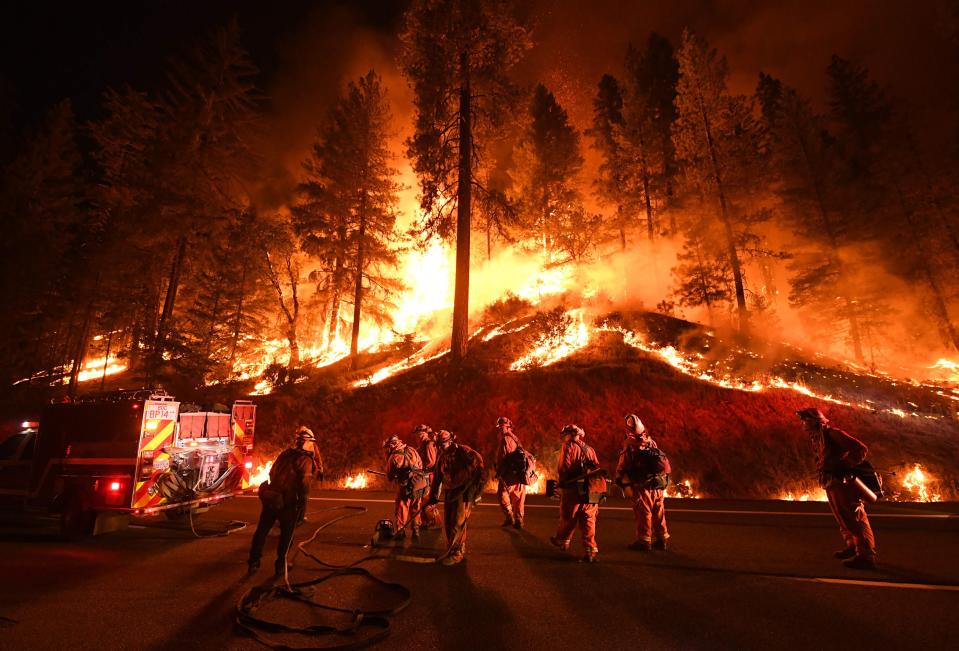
point(837, 454)
point(511, 489)
point(642, 473)
point(579, 474)
point(428, 453)
point(404, 467)
point(459, 472)
point(284, 498)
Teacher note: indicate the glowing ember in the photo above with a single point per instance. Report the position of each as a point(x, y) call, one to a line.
point(262, 473)
point(553, 347)
point(916, 483)
point(948, 368)
point(682, 490)
point(358, 480)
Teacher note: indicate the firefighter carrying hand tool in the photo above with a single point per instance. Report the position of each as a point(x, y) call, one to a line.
point(428, 454)
point(512, 463)
point(643, 474)
point(838, 454)
point(284, 497)
point(404, 467)
point(459, 471)
point(583, 488)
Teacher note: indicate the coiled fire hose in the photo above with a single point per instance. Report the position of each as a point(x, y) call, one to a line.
point(375, 622)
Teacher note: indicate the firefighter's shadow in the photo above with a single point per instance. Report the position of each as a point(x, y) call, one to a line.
point(468, 614)
point(691, 605)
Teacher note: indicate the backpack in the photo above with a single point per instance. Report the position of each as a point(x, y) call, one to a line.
point(414, 481)
point(592, 490)
point(518, 467)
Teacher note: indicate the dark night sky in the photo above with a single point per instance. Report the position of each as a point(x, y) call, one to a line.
point(54, 50)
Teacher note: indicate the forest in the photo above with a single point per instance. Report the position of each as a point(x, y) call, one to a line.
point(147, 240)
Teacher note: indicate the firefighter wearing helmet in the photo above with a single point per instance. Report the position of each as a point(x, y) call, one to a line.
point(643, 474)
point(583, 488)
point(837, 455)
point(459, 472)
point(512, 462)
point(284, 497)
point(429, 516)
point(404, 467)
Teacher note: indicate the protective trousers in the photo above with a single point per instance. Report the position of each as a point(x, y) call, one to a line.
point(287, 517)
point(456, 513)
point(407, 510)
point(512, 499)
point(649, 508)
point(572, 515)
point(851, 515)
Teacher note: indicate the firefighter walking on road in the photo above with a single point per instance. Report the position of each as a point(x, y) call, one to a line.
point(512, 463)
point(404, 467)
point(428, 454)
point(643, 473)
point(583, 488)
point(459, 472)
point(837, 455)
point(284, 498)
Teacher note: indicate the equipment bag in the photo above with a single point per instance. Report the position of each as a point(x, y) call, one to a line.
point(658, 482)
point(517, 467)
point(872, 479)
point(271, 498)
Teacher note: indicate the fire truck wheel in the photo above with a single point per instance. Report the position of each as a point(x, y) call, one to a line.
point(77, 519)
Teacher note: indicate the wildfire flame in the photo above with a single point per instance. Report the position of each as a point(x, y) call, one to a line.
point(359, 480)
point(916, 482)
point(539, 487)
point(551, 348)
point(817, 495)
point(683, 490)
point(262, 473)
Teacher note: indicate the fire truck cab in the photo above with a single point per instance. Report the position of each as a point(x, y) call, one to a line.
point(133, 453)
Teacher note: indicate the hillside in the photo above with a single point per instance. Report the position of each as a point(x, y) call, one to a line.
point(738, 440)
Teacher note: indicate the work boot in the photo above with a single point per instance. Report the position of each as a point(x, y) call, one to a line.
point(252, 566)
point(843, 554)
point(860, 563)
point(590, 556)
point(416, 534)
point(660, 545)
point(453, 557)
point(518, 523)
point(508, 522)
point(639, 546)
point(562, 544)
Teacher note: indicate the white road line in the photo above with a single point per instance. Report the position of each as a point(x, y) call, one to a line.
point(874, 584)
point(823, 514)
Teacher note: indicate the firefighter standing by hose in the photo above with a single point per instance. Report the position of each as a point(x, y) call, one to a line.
point(511, 470)
point(459, 472)
point(837, 454)
point(284, 498)
point(428, 455)
point(404, 467)
point(643, 473)
point(583, 488)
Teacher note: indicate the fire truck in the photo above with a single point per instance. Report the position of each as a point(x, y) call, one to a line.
point(96, 462)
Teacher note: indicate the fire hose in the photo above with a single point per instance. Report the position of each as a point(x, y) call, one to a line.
point(376, 621)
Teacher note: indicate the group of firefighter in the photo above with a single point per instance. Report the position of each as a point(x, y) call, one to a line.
point(440, 463)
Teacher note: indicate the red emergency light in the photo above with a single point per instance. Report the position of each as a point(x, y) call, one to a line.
point(115, 486)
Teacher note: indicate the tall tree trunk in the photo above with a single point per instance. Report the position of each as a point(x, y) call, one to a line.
point(940, 309)
point(237, 319)
point(171, 291)
point(106, 358)
point(489, 240)
point(650, 226)
point(84, 339)
point(358, 287)
point(292, 313)
point(851, 315)
point(459, 338)
point(727, 222)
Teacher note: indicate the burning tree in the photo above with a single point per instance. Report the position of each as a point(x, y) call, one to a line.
point(348, 209)
point(456, 55)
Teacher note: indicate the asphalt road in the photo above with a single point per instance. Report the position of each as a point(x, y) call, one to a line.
point(739, 575)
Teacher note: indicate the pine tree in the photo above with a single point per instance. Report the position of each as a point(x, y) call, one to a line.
point(551, 160)
point(706, 132)
point(353, 195)
point(607, 135)
point(456, 54)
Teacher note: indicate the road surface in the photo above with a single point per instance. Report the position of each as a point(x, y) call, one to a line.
point(738, 575)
